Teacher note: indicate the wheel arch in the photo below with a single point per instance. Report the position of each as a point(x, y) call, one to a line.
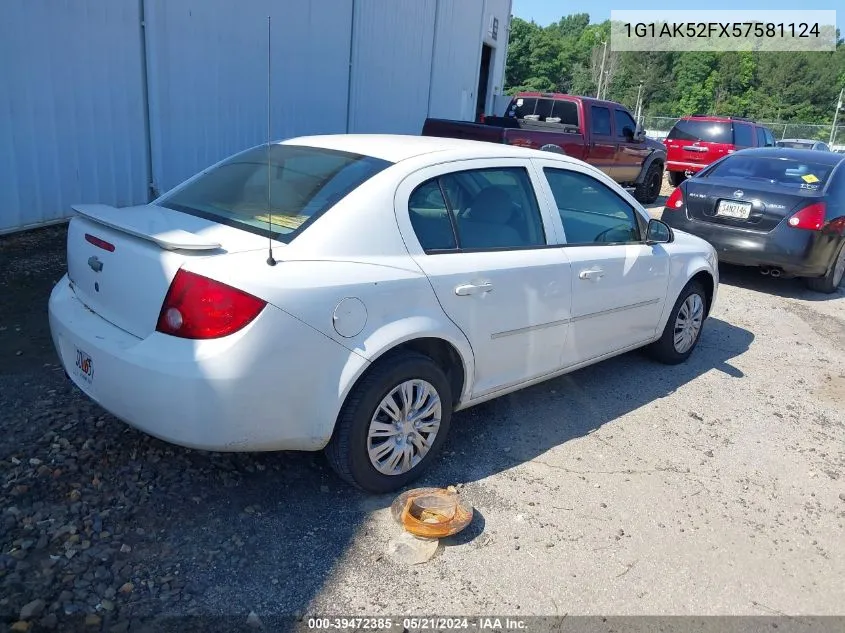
point(449, 349)
point(705, 278)
point(696, 270)
point(654, 157)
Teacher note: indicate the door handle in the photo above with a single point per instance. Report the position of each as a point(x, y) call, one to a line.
point(592, 273)
point(473, 289)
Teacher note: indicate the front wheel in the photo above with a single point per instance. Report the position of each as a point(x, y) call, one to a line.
point(393, 423)
point(649, 189)
point(683, 329)
point(830, 282)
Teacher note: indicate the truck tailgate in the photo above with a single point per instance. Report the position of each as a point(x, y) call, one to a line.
point(446, 128)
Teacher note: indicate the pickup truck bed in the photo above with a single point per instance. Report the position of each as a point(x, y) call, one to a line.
point(511, 132)
point(582, 127)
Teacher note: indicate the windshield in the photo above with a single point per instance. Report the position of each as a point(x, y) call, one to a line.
point(712, 132)
point(302, 184)
point(786, 172)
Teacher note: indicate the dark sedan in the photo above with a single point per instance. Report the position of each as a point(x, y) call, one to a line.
point(780, 209)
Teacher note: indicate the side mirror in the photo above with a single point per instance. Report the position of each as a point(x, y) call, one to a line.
point(658, 233)
point(639, 134)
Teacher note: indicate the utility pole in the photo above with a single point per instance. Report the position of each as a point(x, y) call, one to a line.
point(601, 72)
point(639, 107)
point(835, 117)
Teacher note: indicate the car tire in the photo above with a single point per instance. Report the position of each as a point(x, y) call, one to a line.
point(830, 282)
point(348, 451)
point(665, 350)
point(649, 189)
point(676, 178)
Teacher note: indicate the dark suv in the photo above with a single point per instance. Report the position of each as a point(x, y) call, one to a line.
point(696, 141)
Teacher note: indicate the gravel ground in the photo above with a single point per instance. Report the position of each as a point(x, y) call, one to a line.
point(714, 487)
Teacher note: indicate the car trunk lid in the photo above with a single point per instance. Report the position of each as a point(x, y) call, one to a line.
point(121, 261)
point(757, 206)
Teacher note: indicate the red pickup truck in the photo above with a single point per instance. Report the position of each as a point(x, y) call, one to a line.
point(601, 133)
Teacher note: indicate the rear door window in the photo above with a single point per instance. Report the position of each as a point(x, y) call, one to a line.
point(483, 209)
point(600, 124)
point(430, 218)
point(743, 135)
point(709, 131)
point(761, 137)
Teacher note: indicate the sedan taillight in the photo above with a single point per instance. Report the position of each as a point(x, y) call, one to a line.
point(676, 200)
point(810, 218)
point(197, 307)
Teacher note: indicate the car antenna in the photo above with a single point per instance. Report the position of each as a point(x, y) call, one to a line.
point(271, 261)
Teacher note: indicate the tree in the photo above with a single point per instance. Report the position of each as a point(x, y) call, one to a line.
point(768, 86)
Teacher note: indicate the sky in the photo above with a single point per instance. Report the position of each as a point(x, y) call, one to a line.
point(544, 12)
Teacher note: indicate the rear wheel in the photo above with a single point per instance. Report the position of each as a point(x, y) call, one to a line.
point(683, 329)
point(649, 189)
point(830, 282)
point(393, 423)
point(676, 178)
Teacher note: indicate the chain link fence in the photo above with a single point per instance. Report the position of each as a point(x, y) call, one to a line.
point(658, 127)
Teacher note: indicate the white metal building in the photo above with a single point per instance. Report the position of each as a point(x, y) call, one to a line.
point(112, 101)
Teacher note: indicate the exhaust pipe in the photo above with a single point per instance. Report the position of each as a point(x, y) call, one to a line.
point(764, 270)
point(775, 272)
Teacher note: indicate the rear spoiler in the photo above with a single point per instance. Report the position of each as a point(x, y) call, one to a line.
point(150, 225)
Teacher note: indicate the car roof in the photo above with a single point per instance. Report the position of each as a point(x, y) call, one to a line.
point(824, 158)
point(716, 118)
point(562, 96)
point(396, 147)
point(798, 140)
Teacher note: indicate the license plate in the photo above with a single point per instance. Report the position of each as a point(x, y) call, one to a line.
point(84, 368)
point(731, 209)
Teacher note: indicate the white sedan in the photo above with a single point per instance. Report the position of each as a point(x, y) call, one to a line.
point(350, 292)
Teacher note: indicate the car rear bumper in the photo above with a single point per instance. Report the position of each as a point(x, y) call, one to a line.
point(258, 389)
point(794, 251)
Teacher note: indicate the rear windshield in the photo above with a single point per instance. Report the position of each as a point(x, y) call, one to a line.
point(549, 110)
point(796, 144)
point(788, 172)
point(302, 183)
point(712, 132)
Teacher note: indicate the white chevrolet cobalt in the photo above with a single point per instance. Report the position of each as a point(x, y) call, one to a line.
point(389, 281)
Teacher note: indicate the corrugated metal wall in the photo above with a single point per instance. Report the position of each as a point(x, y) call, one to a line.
point(454, 77)
point(207, 75)
point(71, 108)
point(391, 65)
point(77, 77)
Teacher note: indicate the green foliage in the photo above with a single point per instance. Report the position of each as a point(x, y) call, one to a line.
point(772, 86)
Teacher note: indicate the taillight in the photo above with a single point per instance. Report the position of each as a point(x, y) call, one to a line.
point(810, 218)
point(676, 200)
point(101, 243)
point(200, 308)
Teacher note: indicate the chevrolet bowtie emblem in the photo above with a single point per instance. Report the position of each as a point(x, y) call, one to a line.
point(95, 264)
